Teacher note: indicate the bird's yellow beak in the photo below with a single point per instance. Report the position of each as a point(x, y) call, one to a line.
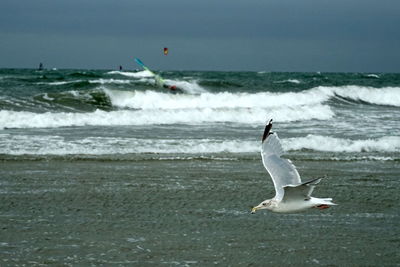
point(253, 210)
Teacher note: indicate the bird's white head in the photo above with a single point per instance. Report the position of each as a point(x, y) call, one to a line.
point(266, 204)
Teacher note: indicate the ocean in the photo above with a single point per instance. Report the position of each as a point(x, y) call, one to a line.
point(102, 168)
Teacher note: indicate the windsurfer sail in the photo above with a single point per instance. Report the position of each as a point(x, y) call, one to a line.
point(159, 81)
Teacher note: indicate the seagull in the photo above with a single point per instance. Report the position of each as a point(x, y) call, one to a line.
point(292, 195)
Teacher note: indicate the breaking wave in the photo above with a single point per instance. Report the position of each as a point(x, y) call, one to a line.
point(331, 144)
point(23, 119)
point(315, 96)
point(389, 96)
point(58, 145)
point(109, 107)
point(153, 100)
point(139, 74)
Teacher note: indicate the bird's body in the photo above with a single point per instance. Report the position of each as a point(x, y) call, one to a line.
point(292, 195)
point(299, 205)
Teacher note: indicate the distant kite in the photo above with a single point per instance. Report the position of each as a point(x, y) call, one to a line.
point(165, 50)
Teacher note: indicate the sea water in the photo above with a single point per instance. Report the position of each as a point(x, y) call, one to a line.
point(100, 167)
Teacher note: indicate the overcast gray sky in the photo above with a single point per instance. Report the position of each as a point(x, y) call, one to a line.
point(255, 35)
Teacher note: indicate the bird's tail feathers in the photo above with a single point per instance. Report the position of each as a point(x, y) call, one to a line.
point(326, 201)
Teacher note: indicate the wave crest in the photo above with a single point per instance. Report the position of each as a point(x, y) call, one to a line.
point(153, 100)
point(389, 96)
point(23, 119)
point(331, 144)
point(139, 74)
point(58, 145)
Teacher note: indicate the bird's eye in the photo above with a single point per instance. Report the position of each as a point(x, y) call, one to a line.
point(264, 204)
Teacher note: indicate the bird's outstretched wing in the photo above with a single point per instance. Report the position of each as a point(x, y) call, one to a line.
point(302, 191)
point(282, 171)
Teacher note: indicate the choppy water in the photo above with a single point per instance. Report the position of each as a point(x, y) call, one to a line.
point(101, 167)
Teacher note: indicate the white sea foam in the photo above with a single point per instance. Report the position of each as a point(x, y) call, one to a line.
point(157, 100)
point(295, 81)
point(331, 144)
point(22, 119)
point(152, 107)
point(60, 83)
point(139, 74)
point(110, 81)
point(191, 87)
point(74, 93)
point(364, 158)
point(99, 81)
point(58, 145)
point(45, 96)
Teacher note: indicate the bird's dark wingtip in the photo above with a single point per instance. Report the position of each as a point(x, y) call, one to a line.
point(267, 130)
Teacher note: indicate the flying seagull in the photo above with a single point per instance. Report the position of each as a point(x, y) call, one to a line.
point(292, 195)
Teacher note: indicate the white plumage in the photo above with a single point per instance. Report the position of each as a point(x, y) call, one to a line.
point(291, 194)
